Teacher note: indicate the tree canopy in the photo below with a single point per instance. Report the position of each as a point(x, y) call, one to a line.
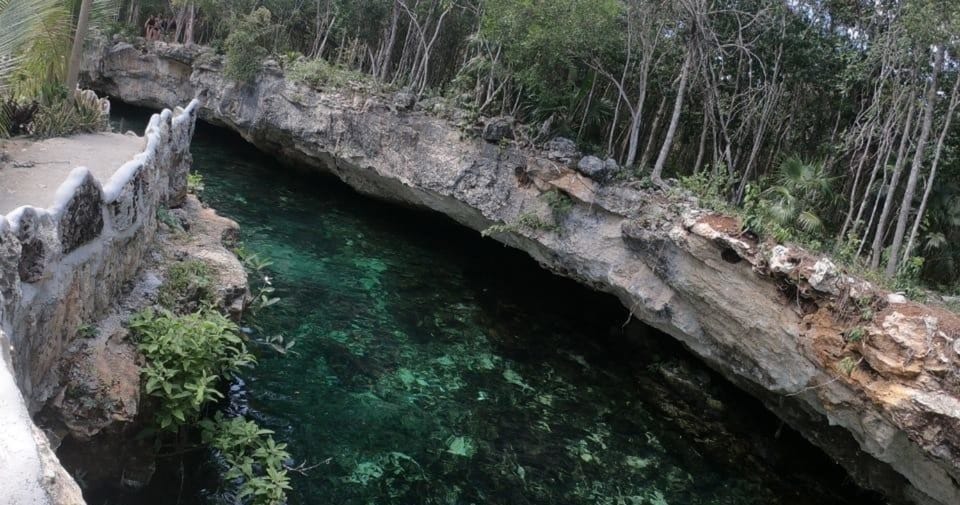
point(743, 100)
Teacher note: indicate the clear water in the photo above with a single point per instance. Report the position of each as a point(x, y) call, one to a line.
point(434, 367)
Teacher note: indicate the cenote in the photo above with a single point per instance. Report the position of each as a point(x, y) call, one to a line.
point(432, 366)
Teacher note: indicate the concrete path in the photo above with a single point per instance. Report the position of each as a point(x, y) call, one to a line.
point(36, 169)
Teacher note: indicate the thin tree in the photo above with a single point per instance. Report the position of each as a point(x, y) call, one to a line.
point(907, 203)
point(76, 53)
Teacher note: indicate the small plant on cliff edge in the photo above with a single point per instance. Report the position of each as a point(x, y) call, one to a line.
point(187, 357)
point(195, 183)
point(87, 331)
point(847, 365)
point(560, 204)
point(244, 53)
point(252, 459)
point(856, 334)
point(187, 287)
point(166, 217)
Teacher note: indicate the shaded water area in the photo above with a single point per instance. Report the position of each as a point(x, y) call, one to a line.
point(432, 366)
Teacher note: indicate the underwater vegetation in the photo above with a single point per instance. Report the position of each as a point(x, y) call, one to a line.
point(434, 367)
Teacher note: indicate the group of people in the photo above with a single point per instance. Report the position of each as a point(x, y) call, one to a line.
point(157, 28)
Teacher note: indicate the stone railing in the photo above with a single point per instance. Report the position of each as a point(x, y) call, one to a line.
point(64, 266)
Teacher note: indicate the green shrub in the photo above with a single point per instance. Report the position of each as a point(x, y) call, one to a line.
point(166, 217)
point(64, 117)
point(318, 73)
point(252, 458)
point(710, 189)
point(195, 183)
point(856, 334)
point(187, 357)
point(560, 204)
point(244, 52)
point(187, 288)
point(908, 278)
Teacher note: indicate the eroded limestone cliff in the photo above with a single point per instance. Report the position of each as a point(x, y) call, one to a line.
point(775, 320)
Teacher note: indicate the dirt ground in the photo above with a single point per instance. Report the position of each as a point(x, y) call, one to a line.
point(31, 171)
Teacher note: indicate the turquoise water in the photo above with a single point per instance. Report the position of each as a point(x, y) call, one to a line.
point(431, 366)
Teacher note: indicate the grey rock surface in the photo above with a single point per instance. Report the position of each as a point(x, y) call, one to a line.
point(597, 169)
point(561, 149)
point(498, 128)
point(753, 315)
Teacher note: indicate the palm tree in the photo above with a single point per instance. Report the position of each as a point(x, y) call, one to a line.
point(801, 188)
point(76, 52)
point(36, 43)
point(18, 21)
point(793, 200)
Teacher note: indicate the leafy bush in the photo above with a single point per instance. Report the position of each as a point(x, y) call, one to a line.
point(187, 288)
point(560, 204)
point(908, 278)
point(187, 357)
point(243, 49)
point(166, 217)
point(252, 458)
point(195, 183)
point(62, 116)
point(15, 116)
point(318, 73)
point(710, 189)
point(790, 207)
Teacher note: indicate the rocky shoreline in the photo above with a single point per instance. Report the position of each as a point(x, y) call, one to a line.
point(775, 320)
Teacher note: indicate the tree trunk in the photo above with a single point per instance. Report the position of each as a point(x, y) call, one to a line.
point(391, 41)
point(877, 246)
point(954, 96)
point(426, 53)
point(134, 14)
point(191, 18)
point(652, 136)
point(907, 203)
point(656, 175)
point(702, 146)
point(76, 52)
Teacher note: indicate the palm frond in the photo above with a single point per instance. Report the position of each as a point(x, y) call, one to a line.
point(43, 61)
point(18, 20)
point(18, 23)
point(104, 12)
point(936, 240)
point(809, 221)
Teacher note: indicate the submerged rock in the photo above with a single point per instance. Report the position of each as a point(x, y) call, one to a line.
point(772, 324)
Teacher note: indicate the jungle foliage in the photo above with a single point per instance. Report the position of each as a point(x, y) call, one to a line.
point(824, 122)
point(40, 52)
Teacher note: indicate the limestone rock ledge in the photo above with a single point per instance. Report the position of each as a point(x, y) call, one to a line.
point(777, 321)
point(96, 414)
point(62, 268)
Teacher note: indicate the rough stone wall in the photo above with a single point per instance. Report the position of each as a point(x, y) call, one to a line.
point(771, 319)
point(64, 266)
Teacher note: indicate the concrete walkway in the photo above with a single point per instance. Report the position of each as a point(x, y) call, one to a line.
point(36, 169)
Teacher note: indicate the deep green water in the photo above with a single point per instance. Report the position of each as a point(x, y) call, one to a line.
point(435, 367)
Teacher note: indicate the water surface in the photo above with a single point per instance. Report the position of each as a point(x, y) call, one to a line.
point(435, 367)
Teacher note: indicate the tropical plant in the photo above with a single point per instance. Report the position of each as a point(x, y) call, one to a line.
point(251, 457)
point(187, 358)
point(244, 49)
point(792, 202)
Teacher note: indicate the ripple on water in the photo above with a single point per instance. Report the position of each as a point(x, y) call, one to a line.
point(433, 367)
